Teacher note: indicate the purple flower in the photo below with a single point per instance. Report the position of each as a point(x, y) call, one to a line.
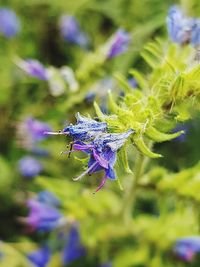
point(30, 131)
point(33, 68)
point(9, 23)
point(186, 248)
point(41, 257)
point(48, 198)
point(132, 82)
point(182, 137)
point(102, 151)
point(195, 38)
point(29, 167)
point(37, 128)
point(84, 129)
point(73, 249)
point(89, 98)
point(179, 26)
point(119, 43)
point(42, 217)
point(71, 32)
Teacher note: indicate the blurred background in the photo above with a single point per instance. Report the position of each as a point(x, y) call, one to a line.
point(50, 69)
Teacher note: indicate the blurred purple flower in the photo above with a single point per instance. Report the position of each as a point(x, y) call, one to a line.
point(37, 128)
point(90, 96)
point(73, 249)
point(195, 38)
point(9, 23)
point(41, 257)
point(179, 26)
point(183, 136)
point(102, 153)
point(30, 131)
point(42, 217)
point(48, 198)
point(186, 248)
point(29, 167)
point(132, 82)
point(71, 32)
point(33, 68)
point(119, 43)
point(84, 129)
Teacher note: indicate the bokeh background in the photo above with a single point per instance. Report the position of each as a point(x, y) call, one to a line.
point(82, 229)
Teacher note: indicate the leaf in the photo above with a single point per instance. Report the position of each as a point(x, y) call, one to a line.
point(122, 159)
point(123, 83)
point(158, 136)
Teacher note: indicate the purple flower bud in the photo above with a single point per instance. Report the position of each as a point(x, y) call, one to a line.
point(42, 217)
point(73, 249)
point(119, 43)
point(41, 257)
point(70, 31)
point(186, 248)
point(29, 167)
point(33, 68)
point(9, 23)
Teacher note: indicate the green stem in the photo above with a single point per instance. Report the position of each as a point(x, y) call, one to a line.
point(129, 199)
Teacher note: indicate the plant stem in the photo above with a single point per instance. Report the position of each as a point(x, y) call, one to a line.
point(130, 195)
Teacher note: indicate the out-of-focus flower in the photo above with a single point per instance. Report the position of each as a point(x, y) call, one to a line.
point(29, 167)
point(182, 29)
point(30, 131)
point(102, 153)
point(9, 22)
point(71, 32)
point(195, 38)
point(119, 43)
point(33, 68)
point(41, 257)
point(61, 79)
point(186, 248)
point(48, 198)
point(73, 249)
point(182, 137)
point(89, 98)
point(179, 26)
point(132, 82)
point(42, 217)
point(69, 77)
point(57, 85)
point(84, 129)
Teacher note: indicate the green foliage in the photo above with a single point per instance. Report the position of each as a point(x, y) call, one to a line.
point(158, 203)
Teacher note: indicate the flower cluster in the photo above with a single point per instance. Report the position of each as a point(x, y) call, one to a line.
point(92, 138)
point(181, 28)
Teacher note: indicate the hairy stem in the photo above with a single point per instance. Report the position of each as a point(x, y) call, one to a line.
point(130, 195)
